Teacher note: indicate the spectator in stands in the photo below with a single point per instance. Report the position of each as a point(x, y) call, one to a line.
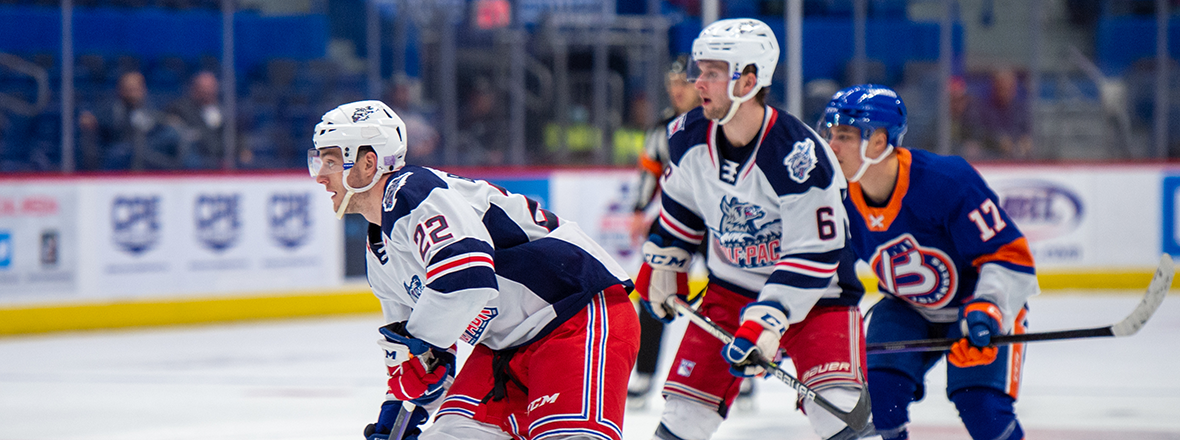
point(483, 133)
point(422, 138)
point(127, 133)
point(998, 126)
point(198, 118)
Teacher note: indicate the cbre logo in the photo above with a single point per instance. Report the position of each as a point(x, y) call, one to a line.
point(1043, 210)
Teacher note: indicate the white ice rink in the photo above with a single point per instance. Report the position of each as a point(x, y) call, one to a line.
point(322, 379)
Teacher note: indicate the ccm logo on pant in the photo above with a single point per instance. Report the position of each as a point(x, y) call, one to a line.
point(543, 400)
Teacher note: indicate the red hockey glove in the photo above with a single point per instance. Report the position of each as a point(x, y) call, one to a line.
point(763, 325)
point(664, 273)
point(418, 372)
point(980, 320)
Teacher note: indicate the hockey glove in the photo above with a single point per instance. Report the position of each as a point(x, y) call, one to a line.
point(763, 325)
point(664, 273)
point(418, 372)
point(384, 426)
point(979, 321)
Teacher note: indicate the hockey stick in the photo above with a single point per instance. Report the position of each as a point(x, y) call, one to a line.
point(401, 423)
point(857, 418)
point(1156, 291)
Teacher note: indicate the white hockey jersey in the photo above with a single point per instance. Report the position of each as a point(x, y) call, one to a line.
point(462, 259)
point(772, 211)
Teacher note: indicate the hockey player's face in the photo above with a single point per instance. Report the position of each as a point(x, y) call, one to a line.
point(712, 85)
point(845, 142)
point(682, 94)
point(329, 172)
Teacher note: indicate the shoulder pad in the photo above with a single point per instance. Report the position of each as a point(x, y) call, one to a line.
point(404, 191)
point(685, 131)
point(793, 157)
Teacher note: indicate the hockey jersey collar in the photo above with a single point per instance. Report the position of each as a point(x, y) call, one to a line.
point(879, 219)
point(768, 119)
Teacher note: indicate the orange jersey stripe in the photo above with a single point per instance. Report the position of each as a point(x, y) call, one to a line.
point(1016, 357)
point(1015, 252)
point(879, 219)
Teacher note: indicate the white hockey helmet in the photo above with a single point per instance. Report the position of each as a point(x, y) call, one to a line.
point(739, 42)
point(352, 126)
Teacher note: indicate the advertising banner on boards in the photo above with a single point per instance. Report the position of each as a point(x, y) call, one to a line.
point(38, 240)
point(125, 237)
point(1083, 218)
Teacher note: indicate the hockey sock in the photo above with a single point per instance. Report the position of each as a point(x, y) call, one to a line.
point(691, 420)
point(651, 332)
point(823, 422)
point(892, 393)
point(987, 413)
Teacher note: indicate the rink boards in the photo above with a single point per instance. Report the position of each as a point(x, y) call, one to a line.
point(118, 251)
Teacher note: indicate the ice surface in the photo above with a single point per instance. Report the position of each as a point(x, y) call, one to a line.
point(323, 378)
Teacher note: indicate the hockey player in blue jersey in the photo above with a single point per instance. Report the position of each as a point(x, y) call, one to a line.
point(765, 191)
point(460, 260)
point(949, 261)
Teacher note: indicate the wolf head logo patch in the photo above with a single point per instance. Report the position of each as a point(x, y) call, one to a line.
point(801, 160)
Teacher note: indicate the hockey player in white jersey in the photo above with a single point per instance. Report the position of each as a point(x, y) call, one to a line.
point(459, 260)
point(766, 192)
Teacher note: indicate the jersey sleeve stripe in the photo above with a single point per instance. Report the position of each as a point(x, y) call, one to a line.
point(458, 263)
point(679, 230)
point(797, 280)
point(806, 267)
point(465, 279)
point(1015, 253)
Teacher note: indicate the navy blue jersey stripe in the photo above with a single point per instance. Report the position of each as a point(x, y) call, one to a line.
point(469, 278)
point(681, 213)
point(410, 193)
point(788, 131)
point(505, 232)
point(464, 246)
point(797, 280)
point(1015, 267)
point(695, 127)
point(555, 270)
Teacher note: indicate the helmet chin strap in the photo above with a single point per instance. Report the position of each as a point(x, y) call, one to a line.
point(349, 191)
point(736, 102)
point(865, 161)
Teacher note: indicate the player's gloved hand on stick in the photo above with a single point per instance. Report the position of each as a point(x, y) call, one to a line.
point(418, 372)
point(980, 320)
point(385, 421)
point(763, 325)
point(664, 273)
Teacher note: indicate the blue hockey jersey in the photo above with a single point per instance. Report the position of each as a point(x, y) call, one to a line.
point(942, 239)
point(771, 210)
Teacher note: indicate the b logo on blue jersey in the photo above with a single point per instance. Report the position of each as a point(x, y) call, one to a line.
point(922, 276)
point(742, 242)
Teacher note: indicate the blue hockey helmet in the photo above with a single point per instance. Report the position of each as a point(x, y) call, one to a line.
point(868, 107)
